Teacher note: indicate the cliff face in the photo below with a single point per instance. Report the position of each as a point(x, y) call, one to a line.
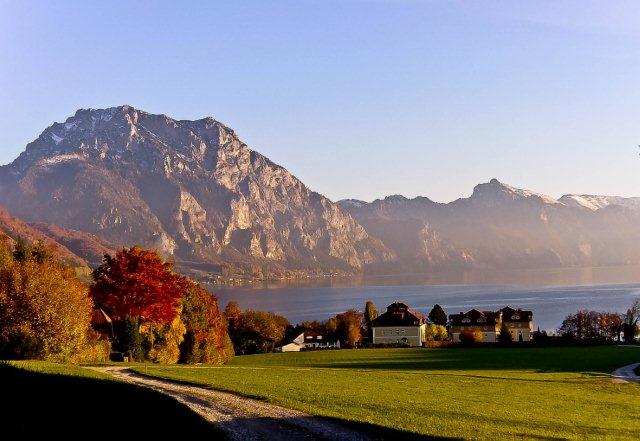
point(500, 227)
point(190, 189)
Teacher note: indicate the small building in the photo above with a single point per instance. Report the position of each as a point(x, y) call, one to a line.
point(486, 322)
point(102, 324)
point(519, 323)
point(316, 340)
point(310, 340)
point(489, 324)
point(399, 325)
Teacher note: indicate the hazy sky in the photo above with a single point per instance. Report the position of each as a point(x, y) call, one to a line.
point(357, 98)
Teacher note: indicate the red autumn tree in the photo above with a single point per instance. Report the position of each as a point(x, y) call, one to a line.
point(137, 283)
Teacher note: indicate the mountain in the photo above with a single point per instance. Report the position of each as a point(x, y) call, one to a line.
point(74, 247)
point(500, 226)
point(595, 202)
point(190, 189)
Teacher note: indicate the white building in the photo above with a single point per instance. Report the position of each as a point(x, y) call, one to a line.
point(399, 325)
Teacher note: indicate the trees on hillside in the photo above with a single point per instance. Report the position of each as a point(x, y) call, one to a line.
point(45, 311)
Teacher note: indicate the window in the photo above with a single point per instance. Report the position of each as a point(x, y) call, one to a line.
point(482, 320)
point(466, 320)
point(515, 317)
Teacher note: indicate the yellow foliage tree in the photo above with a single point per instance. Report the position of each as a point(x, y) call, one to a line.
point(45, 311)
point(163, 340)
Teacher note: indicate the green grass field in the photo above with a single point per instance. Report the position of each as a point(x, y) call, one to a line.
point(483, 393)
point(52, 401)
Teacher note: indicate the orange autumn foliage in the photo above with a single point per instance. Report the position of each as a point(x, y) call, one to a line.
point(137, 283)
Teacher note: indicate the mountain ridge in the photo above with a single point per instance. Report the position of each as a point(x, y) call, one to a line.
point(190, 189)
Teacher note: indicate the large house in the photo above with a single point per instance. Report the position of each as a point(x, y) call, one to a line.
point(519, 323)
point(489, 324)
point(399, 324)
point(310, 340)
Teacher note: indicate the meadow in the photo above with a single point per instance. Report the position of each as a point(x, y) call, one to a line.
point(478, 393)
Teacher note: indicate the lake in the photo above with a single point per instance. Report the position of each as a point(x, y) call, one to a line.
point(543, 292)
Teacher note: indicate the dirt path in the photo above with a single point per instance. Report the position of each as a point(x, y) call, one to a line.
point(626, 374)
point(241, 418)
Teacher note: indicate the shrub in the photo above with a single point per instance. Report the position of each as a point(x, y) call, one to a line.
point(505, 336)
point(94, 351)
point(468, 337)
point(435, 332)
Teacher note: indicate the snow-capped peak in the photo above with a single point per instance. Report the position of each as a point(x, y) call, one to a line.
point(597, 202)
point(496, 187)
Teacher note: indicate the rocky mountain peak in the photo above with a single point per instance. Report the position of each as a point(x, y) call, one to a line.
point(124, 133)
point(499, 191)
point(191, 189)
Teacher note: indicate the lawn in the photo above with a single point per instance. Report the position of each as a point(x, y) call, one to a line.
point(484, 393)
point(53, 401)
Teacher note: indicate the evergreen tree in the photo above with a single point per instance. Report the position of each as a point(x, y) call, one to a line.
point(505, 336)
point(438, 316)
point(370, 314)
point(130, 340)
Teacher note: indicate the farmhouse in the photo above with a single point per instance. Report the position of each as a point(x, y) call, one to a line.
point(102, 324)
point(400, 324)
point(489, 323)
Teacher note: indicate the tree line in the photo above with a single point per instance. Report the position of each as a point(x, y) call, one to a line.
point(587, 325)
point(158, 315)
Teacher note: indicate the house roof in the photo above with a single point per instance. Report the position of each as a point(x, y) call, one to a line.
point(475, 317)
point(483, 318)
point(516, 315)
point(99, 317)
point(399, 314)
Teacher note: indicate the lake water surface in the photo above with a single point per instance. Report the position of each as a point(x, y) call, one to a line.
point(604, 291)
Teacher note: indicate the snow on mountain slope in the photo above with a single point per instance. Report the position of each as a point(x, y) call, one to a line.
point(596, 202)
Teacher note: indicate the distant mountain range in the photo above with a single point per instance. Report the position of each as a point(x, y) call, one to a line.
point(195, 192)
point(500, 226)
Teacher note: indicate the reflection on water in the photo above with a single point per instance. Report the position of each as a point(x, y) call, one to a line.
point(551, 294)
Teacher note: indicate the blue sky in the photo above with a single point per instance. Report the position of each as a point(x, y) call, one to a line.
point(357, 98)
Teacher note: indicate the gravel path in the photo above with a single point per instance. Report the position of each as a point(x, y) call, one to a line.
point(241, 418)
point(626, 374)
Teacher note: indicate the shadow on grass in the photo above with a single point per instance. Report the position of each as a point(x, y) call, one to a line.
point(592, 360)
point(51, 405)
